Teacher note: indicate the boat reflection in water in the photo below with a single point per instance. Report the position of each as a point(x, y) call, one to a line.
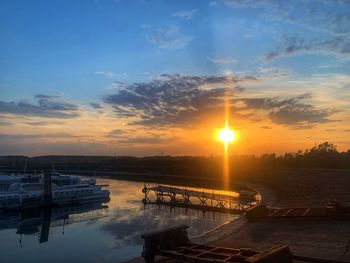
point(40, 220)
point(115, 235)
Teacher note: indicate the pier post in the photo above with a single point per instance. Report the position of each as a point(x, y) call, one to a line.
point(45, 224)
point(47, 188)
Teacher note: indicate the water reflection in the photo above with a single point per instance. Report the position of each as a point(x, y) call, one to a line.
point(38, 221)
point(94, 232)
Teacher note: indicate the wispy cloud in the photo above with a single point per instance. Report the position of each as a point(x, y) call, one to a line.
point(324, 25)
point(172, 99)
point(169, 37)
point(38, 136)
point(95, 105)
point(290, 111)
point(5, 123)
point(145, 26)
point(317, 16)
point(245, 3)
point(175, 100)
point(43, 123)
point(185, 14)
point(111, 75)
point(147, 141)
point(222, 60)
point(44, 106)
point(119, 133)
point(339, 46)
point(294, 113)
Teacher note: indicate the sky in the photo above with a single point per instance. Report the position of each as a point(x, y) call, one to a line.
point(142, 77)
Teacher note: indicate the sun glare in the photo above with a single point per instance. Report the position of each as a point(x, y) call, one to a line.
point(226, 135)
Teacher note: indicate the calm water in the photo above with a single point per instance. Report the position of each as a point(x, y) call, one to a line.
point(94, 232)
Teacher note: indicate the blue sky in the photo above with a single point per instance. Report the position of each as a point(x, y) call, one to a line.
point(78, 52)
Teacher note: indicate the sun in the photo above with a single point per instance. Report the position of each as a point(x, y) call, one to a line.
point(226, 135)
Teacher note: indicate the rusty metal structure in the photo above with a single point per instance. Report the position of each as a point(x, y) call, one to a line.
point(332, 210)
point(174, 243)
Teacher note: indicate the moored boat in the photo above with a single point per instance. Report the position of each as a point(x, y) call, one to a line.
point(56, 178)
point(26, 195)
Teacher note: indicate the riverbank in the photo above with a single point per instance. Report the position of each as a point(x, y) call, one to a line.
point(328, 239)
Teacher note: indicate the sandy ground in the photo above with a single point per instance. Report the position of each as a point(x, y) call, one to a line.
point(321, 239)
point(310, 188)
point(328, 239)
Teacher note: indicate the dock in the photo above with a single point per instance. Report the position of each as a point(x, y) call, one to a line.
point(196, 199)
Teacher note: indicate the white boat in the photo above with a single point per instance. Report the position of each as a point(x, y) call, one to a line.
point(25, 195)
point(59, 179)
point(56, 178)
point(7, 180)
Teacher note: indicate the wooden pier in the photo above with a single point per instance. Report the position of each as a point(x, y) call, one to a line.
point(195, 199)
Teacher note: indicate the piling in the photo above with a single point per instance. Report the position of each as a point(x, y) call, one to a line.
point(47, 198)
point(45, 226)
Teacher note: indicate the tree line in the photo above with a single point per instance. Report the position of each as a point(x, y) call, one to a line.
point(324, 155)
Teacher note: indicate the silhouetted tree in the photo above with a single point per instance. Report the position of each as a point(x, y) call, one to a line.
point(324, 155)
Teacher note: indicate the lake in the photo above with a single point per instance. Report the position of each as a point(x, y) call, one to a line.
point(95, 232)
